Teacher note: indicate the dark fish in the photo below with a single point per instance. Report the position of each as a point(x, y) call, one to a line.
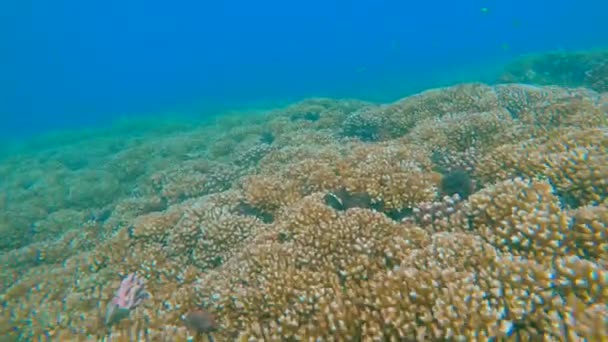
point(201, 321)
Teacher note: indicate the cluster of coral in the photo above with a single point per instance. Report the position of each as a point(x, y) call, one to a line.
point(567, 68)
point(472, 212)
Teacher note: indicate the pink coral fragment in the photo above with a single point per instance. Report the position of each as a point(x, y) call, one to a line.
point(129, 295)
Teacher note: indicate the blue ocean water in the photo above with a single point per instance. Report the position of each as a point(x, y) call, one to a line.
point(67, 64)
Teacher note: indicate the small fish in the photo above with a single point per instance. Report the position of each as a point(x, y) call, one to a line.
point(200, 321)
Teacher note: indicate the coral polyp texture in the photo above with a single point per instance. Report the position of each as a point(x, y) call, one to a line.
point(467, 213)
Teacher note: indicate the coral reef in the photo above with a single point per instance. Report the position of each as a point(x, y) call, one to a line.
point(570, 69)
point(472, 212)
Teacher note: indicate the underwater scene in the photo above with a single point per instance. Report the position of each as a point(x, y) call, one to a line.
point(471, 207)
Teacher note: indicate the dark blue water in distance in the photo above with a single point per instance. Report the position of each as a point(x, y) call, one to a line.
point(67, 64)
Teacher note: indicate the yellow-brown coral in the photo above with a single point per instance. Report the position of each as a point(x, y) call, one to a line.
point(299, 225)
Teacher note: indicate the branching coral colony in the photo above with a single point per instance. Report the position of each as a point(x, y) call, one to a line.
point(472, 213)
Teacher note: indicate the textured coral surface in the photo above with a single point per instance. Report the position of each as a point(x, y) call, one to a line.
point(467, 213)
point(567, 68)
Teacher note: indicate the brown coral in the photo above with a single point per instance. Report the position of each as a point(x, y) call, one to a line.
point(326, 221)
